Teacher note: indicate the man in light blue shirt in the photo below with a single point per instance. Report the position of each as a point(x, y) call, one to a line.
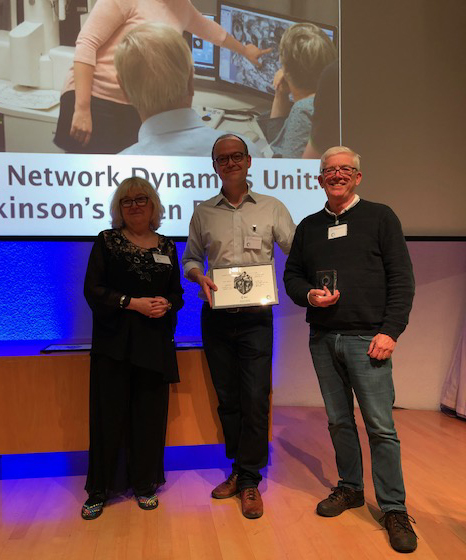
point(155, 70)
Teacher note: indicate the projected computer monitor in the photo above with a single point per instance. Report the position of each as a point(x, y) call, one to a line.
point(260, 28)
point(204, 53)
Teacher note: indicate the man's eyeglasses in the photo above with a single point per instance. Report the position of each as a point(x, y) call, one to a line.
point(139, 201)
point(344, 170)
point(235, 158)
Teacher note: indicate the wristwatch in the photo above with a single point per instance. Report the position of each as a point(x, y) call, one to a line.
point(169, 305)
point(124, 301)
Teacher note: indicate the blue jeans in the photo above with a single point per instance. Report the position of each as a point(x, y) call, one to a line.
point(343, 366)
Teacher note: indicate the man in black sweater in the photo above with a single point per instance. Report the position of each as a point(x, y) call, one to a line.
point(358, 246)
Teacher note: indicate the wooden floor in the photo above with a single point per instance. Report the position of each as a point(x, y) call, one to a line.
point(40, 517)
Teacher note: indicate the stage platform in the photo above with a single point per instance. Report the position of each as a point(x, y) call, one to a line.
point(44, 401)
point(41, 517)
point(44, 412)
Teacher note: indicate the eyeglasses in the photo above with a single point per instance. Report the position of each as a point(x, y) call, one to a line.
point(235, 158)
point(344, 170)
point(139, 201)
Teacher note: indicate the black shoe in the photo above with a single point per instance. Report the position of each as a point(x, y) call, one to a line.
point(340, 499)
point(401, 533)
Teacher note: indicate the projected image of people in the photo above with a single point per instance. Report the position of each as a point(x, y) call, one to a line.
point(305, 51)
point(251, 72)
point(265, 33)
point(95, 116)
point(325, 131)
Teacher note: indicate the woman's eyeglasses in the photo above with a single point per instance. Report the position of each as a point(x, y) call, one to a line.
point(139, 201)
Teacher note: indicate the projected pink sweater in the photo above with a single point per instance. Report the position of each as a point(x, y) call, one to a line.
point(110, 20)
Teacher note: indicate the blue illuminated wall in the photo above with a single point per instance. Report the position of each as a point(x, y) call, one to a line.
point(41, 301)
point(42, 465)
point(41, 285)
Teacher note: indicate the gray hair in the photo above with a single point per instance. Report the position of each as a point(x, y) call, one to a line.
point(305, 50)
point(340, 150)
point(154, 67)
point(125, 187)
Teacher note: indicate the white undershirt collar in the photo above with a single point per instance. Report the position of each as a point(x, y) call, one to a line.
point(355, 200)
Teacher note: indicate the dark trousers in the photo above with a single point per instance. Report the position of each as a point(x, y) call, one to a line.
point(238, 347)
point(115, 126)
point(128, 423)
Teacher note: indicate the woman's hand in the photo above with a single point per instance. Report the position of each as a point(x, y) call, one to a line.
point(160, 306)
point(154, 308)
point(81, 126)
point(253, 53)
point(249, 51)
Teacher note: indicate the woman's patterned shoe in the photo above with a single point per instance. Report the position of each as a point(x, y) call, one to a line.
point(148, 502)
point(89, 512)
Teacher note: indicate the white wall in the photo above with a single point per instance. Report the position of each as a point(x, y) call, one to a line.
point(403, 111)
point(424, 351)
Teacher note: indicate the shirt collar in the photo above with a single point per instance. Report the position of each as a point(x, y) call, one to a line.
point(221, 199)
point(355, 200)
point(171, 121)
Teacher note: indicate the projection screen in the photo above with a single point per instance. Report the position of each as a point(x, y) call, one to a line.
point(267, 71)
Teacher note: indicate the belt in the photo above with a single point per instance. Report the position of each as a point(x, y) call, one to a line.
point(254, 309)
point(235, 310)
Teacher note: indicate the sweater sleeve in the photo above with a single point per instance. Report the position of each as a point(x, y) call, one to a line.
point(399, 275)
point(104, 19)
point(204, 27)
point(297, 284)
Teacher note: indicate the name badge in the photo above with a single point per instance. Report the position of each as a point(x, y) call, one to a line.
point(252, 242)
point(338, 231)
point(161, 259)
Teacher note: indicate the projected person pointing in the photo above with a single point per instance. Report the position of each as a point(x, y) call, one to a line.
point(95, 116)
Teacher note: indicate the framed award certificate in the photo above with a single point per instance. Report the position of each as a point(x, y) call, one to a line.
point(244, 285)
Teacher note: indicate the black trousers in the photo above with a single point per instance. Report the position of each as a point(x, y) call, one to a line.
point(128, 424)
point(238, 348)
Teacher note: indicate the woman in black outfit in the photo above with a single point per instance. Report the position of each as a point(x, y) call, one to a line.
point(133, 287)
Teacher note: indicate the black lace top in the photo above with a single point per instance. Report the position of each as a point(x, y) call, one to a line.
point(117, 267)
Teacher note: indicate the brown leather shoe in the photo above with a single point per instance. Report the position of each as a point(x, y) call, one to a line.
point(226, 489)
point(251, 503)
